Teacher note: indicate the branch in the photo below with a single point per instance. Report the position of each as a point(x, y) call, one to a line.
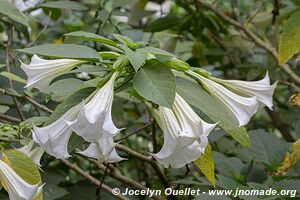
point(7, 54)
point(93, 180)
point(255, 12)
point(124, 179)
point(41, 32)
point(31, 100)
point(136, 131)
point(9, 118)
point(258, 41)
point(280, 125)
point(146, 159)
point(135, 154)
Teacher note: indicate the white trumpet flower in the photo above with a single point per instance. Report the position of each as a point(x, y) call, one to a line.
point(25, 5)
point(262, 89)
point(104, 151)
point(95, 120)
point(17, 188)
point(243, 108)
point(185, 134)
point(54, 137)
point(41, 72)
point(35, 154)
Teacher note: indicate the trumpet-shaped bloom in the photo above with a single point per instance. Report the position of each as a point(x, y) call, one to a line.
point(17, 188)
point(54, 137)
point(35, 154)
point(262, 89)
point(243, 108)
point(41, 72)
point(23, 5)
point(185, 134)
point(104, 151)
point(95, 120)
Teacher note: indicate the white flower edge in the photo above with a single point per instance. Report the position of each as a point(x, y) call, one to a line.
point(243, 108)
point(185, 134)
point(54, 138)
point(17, 188)
point(104, 151)
point(41, 72)
point(35, 154)
point(95, 118)
point(261, 88)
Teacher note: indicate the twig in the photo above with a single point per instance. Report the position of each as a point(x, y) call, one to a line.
point(286, 68)
point(124, 179)
point(255, 12)
point(146, 159)
point(153, 134)
point(35, 103)
point(38, 105)
point(136, 131)
point(98, 192)
point(160, 174)
point(93, 180)
point(9, 118)
point(41, 32)
point(280, 125)
point(7, 53)
point(134, 153)
point(275, 11)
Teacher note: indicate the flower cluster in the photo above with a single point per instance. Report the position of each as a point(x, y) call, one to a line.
point(91, 120)
point(185, 133)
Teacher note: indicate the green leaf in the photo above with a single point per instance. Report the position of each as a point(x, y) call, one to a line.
point(156, 51)
point(4, 109)
point(24, 167)
point(64, 5)
point(91, 69)
point(156, 82)
point(124, 39)
point(196, 95)
point(267, 148)
point(12, 12)
point(289, 41)
point(63, 51)
point(92, 37)
point(71, 101)
point(206, 164)
point(228, 183)
point(163, 23)
point(13, 77)
point(136, 58)
point(61, 89)
point(240, 135)
point(52, 192)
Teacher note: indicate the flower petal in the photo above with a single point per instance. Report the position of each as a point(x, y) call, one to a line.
point(16, 187)
point(185, 134)
point(54, 137)
point(41, 72)
point(182, 155)
point(35, 154)
point(104, 151)
point(94, 120)
point(242, 107)
point(262, 89)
